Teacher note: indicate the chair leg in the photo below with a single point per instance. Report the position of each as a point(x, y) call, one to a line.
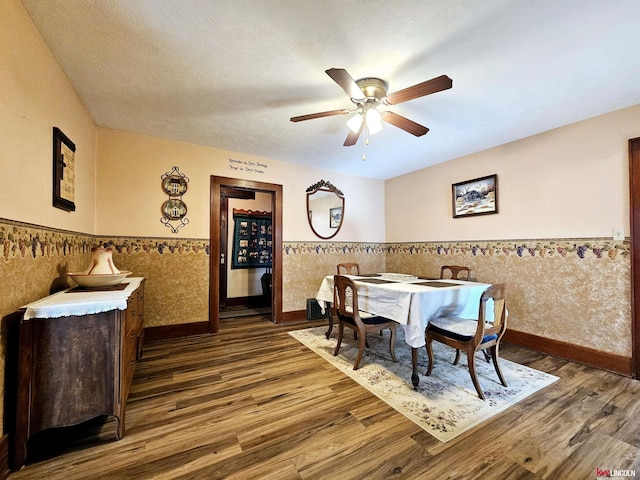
point(362, 342)
point(487, 355)
point(455, 362)
point(392, 344)
point(328, 334)
point(355, 337)
point(430, 355)
point(496, 364)
point(471, 362)
point(340, 333)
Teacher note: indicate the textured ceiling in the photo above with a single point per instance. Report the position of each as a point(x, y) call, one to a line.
point(230, 73)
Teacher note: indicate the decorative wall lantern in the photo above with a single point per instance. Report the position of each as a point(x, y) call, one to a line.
point(174, 209)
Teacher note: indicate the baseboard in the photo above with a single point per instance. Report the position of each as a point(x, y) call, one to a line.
point(256, 301)
point(294, 316)
point(4, 457)
point(167, 332)
point(575, 353)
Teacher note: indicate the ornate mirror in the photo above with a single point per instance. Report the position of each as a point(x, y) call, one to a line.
point(325, 209)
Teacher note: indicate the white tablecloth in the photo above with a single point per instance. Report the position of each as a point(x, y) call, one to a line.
point(410, 304)
point(67, 303)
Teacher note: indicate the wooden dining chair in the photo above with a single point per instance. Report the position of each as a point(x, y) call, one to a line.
point(455, 272)
point(345, 309)
point(348, 269)
point(473, 335)
point(458, 272)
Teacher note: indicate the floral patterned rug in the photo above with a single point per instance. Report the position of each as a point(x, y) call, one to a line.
point(446, 403)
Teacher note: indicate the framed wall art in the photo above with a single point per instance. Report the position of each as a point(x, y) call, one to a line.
point(64, 176)
point(475, 197)
point(252, 239)
point(335, 217)
point(174, 210)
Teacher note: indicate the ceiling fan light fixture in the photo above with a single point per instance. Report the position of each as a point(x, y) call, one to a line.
point(374, 121)
point(355, 122)
point(368, 94)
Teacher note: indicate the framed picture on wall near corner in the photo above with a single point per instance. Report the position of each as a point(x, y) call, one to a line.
point(64, 176)
point(475, 197)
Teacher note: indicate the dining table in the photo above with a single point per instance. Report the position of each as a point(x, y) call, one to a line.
point(409, 300)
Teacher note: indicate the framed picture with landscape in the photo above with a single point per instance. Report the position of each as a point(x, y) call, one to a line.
point(475, 197)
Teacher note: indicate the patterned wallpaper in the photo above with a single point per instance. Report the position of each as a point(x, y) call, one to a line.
point(177, 270)
point(564, 289)
point(561, 289)
point(305, 264)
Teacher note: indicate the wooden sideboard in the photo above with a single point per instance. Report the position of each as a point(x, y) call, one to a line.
point(72, 368)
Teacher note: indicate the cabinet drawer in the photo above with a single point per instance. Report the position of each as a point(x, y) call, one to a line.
point(129, 354)
point(132, 320)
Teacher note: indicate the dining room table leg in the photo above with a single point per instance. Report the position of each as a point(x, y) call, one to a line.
point(415, 379)
point(330, 316)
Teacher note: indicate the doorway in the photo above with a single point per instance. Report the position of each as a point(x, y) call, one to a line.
point(221, 186)
point(245, 252)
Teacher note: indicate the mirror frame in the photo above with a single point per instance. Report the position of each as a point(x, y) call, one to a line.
point(325, 186)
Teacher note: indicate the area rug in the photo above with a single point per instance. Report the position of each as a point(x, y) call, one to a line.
point(446, 403)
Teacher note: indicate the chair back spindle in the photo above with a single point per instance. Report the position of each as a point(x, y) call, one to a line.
point(455, 272)
point(348, 269)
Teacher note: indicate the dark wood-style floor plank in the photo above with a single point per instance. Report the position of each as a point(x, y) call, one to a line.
point(251, 402)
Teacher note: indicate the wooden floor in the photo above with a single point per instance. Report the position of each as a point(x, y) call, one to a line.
point(253, 403)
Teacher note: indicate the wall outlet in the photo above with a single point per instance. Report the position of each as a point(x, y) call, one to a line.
point(618, 233)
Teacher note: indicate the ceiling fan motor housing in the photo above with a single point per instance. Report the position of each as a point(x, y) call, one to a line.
point(373, 88)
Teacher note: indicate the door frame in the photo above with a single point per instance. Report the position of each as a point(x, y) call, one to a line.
point(634, 210)
point(214, 245)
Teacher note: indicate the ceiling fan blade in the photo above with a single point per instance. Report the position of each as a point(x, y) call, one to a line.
point(311, 116)
point(420, 90)
point(404, 123)
point(348, 84)
point(352, 138)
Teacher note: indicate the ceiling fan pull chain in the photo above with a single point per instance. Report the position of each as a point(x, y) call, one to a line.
point(366, 142)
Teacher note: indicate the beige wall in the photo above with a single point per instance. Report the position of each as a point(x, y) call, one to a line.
point(35, 97)
point(565, 183)
point(129, 194)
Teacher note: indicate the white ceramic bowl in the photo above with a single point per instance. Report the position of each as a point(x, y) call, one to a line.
point(98, 279)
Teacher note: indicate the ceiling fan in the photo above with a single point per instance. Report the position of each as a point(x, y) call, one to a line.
point(368, 94)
